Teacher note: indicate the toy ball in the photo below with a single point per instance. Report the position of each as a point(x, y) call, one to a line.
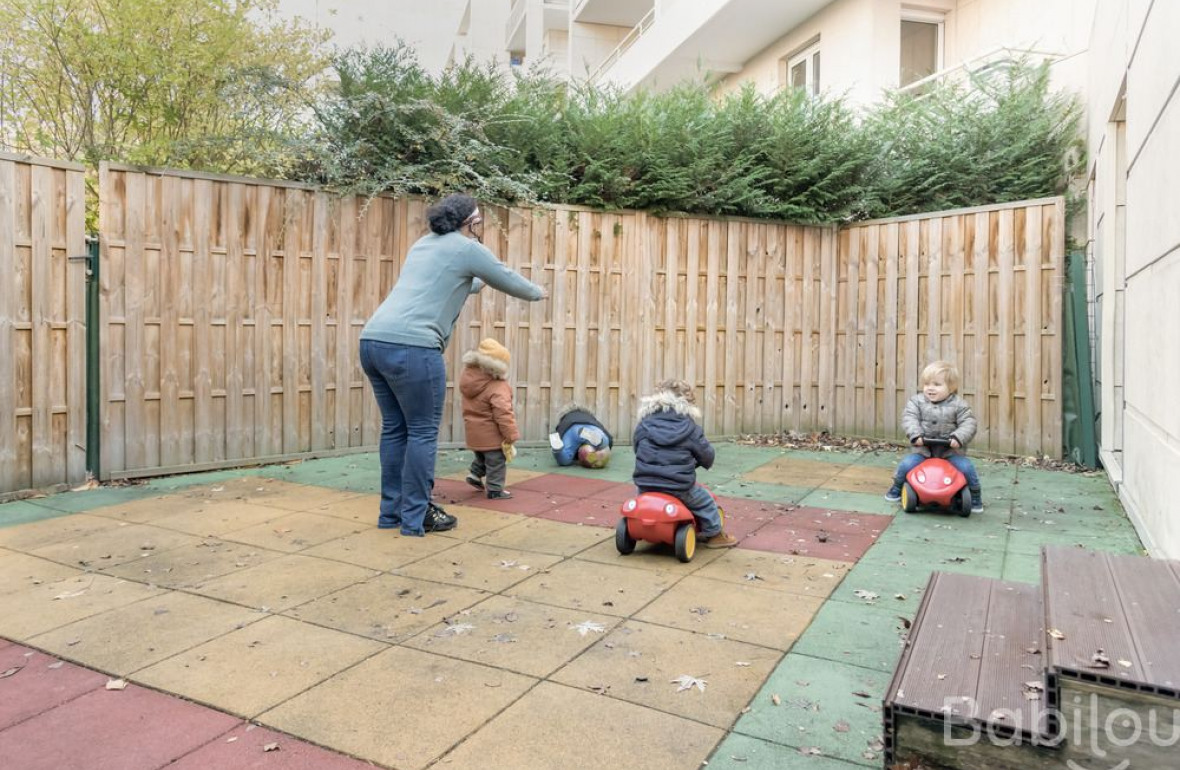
point(590, 457)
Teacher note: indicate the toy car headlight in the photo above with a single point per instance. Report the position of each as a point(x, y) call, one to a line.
point(670, 509)
point(921, 477)
point(629, 505)
point(946, 480)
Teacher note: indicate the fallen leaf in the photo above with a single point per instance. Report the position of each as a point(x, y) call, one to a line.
point(861, 694)
point(841, 726)
point(776, 700)
point(1124, 663)
point(753, 576)
point(822, 537)
point(686, 682)
point(899, 597)
point(271, 747)
point(10, 672)
point(941, 676)
point(1053, 632)
point(1100, 659)
point(56, 664)
point(1033, 650)
point(458, 629)
point(117, 684)
point(810, 751)
point(868, 596)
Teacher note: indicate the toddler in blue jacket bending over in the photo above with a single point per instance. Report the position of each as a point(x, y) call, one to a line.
point(669, 447)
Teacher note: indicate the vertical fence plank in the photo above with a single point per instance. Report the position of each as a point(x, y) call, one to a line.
point(1005, 382)
point(1052, 277)
point(9, 302)
point(981, 326)
point(1033, 261)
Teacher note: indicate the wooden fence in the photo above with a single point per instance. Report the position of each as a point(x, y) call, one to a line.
point(231, 310)
point(42, 333)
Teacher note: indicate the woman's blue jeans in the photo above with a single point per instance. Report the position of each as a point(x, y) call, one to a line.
point(410, 384)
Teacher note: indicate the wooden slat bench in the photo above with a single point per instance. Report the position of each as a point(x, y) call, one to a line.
point(974, 651)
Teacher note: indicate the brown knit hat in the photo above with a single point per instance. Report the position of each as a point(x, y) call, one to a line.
point(492, 349)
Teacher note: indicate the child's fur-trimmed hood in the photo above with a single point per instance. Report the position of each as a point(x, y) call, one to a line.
point(667, 401)
point(493, 366)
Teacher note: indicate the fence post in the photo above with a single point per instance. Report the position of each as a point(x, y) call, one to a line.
point(93, 363)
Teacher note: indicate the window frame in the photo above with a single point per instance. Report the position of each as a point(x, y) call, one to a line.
point(806, 56)
point(924, 17)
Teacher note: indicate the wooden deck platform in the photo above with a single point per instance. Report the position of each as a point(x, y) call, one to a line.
point(1071, 673)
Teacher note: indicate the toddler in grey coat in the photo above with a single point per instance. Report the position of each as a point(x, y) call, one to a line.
point(939, 412)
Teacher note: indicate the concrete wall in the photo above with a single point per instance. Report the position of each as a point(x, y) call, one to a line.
point(860, 41)
point(590, 44)
point(1135, 256)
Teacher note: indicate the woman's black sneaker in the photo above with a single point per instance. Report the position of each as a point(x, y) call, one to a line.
point(438, 520)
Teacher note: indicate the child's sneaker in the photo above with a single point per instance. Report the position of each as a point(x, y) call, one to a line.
point(474, 481)
point(555, 442)
point(976, 502)
point(894, 494)
point(720, 540)
point(499, 494)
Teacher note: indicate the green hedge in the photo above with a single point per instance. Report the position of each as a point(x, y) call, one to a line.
point(534, 138)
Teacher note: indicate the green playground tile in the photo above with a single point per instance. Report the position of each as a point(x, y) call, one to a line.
point(741, 752)
point(755, 490)
point(817, 708)
point(23, 512)
point(898, 572)
point(987, 530)
point(742, 458)
point(1022, 567)
point(1031, 542)
point(862, 634)
point(861, 502)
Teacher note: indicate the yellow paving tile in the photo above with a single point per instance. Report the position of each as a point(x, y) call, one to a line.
point(402, 708)
point(479, 566)
point(544, 536)
point(861, 478)
point(536, 733)
point(217, 518)
point(743, 612)
point(593, 587)
point(477, 522)
point(638, 662)
point(42, 608)
point(381, 549)
point(651, 556)
point(792, 574)
point(34, 535)
point(285, 582)
point(295, 532)
point(151, 509)
point(521, 636)
point(19, 571)
point(388, 608)
point(362, 509)
point(272, 492)
point(135, 636)
point(194, 565)
point(248, 671)
point(794, 472)
point(115, 545)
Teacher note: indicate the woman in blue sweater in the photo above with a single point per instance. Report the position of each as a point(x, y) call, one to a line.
point(401, 352)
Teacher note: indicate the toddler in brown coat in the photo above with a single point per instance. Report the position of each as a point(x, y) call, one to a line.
point(488, 416)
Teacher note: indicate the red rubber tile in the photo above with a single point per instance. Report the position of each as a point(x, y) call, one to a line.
point(243, 749)
point(561, 484)
point(783, 538)
point(36, 687)
point(835, 521)
point(523, 501)
point(762, 510)
point(455, 491)
point(617, 493)
point(131, 729)
point(589, 511)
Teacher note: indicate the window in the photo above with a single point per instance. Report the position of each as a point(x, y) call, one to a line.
point(802, 70)
point(921, 46)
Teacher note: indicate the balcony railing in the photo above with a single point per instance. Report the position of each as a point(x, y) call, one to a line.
point(515, 16)
point(624, 45)
point(979, 65)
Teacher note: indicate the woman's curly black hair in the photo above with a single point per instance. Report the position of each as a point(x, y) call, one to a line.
point(449, 214)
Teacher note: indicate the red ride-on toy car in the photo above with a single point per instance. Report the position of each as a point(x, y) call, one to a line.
point(936, 482)
point(658, 518)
